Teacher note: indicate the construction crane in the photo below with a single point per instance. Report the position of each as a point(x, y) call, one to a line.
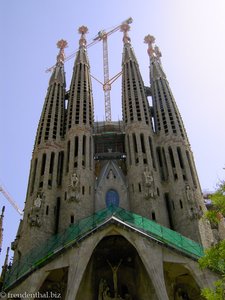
point(103, 36)
point(10, 199)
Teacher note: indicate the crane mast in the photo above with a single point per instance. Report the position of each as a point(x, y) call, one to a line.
point(102, 35)
point(106, 85)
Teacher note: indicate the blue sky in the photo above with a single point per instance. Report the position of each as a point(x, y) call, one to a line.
point(190, 34)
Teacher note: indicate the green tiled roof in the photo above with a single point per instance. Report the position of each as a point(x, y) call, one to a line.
point(74, 233)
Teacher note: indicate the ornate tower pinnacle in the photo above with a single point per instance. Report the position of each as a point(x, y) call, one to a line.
point(150, 40)
point(152, 52)
point(62, 44)
point(83, 30)
point(125, 28)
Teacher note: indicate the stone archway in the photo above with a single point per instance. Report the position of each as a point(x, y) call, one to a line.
point(180, 283)
point(115, 271)
point(55, 284)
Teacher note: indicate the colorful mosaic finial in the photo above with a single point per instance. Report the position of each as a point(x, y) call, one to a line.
point(150, 40)
point(125, 27)
point(83, 30)
point(62, 44)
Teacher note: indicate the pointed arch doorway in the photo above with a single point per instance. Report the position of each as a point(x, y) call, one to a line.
point(115, 271)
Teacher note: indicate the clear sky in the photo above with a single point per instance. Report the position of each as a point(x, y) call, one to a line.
point(190, 34)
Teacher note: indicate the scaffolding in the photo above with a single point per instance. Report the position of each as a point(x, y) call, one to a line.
point(109, 140)
point(39, 256)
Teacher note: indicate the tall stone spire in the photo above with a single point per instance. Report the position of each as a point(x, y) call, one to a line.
point(139, 135)
point(135, 104)
point(167, 117)
point(46, 171)
point(80, 104)
point(79, 174)
point(174, 156)
point(51, 125)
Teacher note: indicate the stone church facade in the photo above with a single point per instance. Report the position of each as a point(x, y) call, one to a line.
point(113, 209)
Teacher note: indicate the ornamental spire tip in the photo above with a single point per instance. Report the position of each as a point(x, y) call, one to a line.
point(83, 30)
point(152, 52)
point(61, 44)
point(125, 27)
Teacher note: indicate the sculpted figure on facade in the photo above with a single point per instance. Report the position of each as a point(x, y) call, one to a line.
point(101, 288)
point(115, 278)
point(104, 290)
point(149, 184)
point(34, 218)
point(74, 181)
point(38, 201)
point(73, 188)
point(189, 194)
point(111, 175)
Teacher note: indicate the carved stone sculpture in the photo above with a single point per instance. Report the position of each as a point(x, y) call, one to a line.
point(36, 211)
point(74, 182)
point(38, 202)
point(189, 194)
point(149, 184)
point(115, 279)
point(34, 220)
point(73, 188)
point(104, 291)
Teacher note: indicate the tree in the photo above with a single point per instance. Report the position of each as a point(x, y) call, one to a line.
point(214, 257)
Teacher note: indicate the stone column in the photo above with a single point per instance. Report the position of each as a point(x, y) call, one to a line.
point(78, 263)
point(152, 259)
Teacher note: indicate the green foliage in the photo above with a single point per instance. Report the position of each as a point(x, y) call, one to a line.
point(214, 257)
point(212, 216)
point(218, 199)
point(218, 293)
point(218, 203)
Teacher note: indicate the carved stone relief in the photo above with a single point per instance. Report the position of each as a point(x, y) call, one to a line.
point(149, 184)
point(34, 217)
point(74, 188)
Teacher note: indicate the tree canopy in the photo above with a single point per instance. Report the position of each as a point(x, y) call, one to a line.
point(214, 257)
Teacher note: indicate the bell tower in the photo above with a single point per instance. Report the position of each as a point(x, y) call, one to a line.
point(77, 197)
point(40, 216)
point(142, 171)
point(179, 180)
